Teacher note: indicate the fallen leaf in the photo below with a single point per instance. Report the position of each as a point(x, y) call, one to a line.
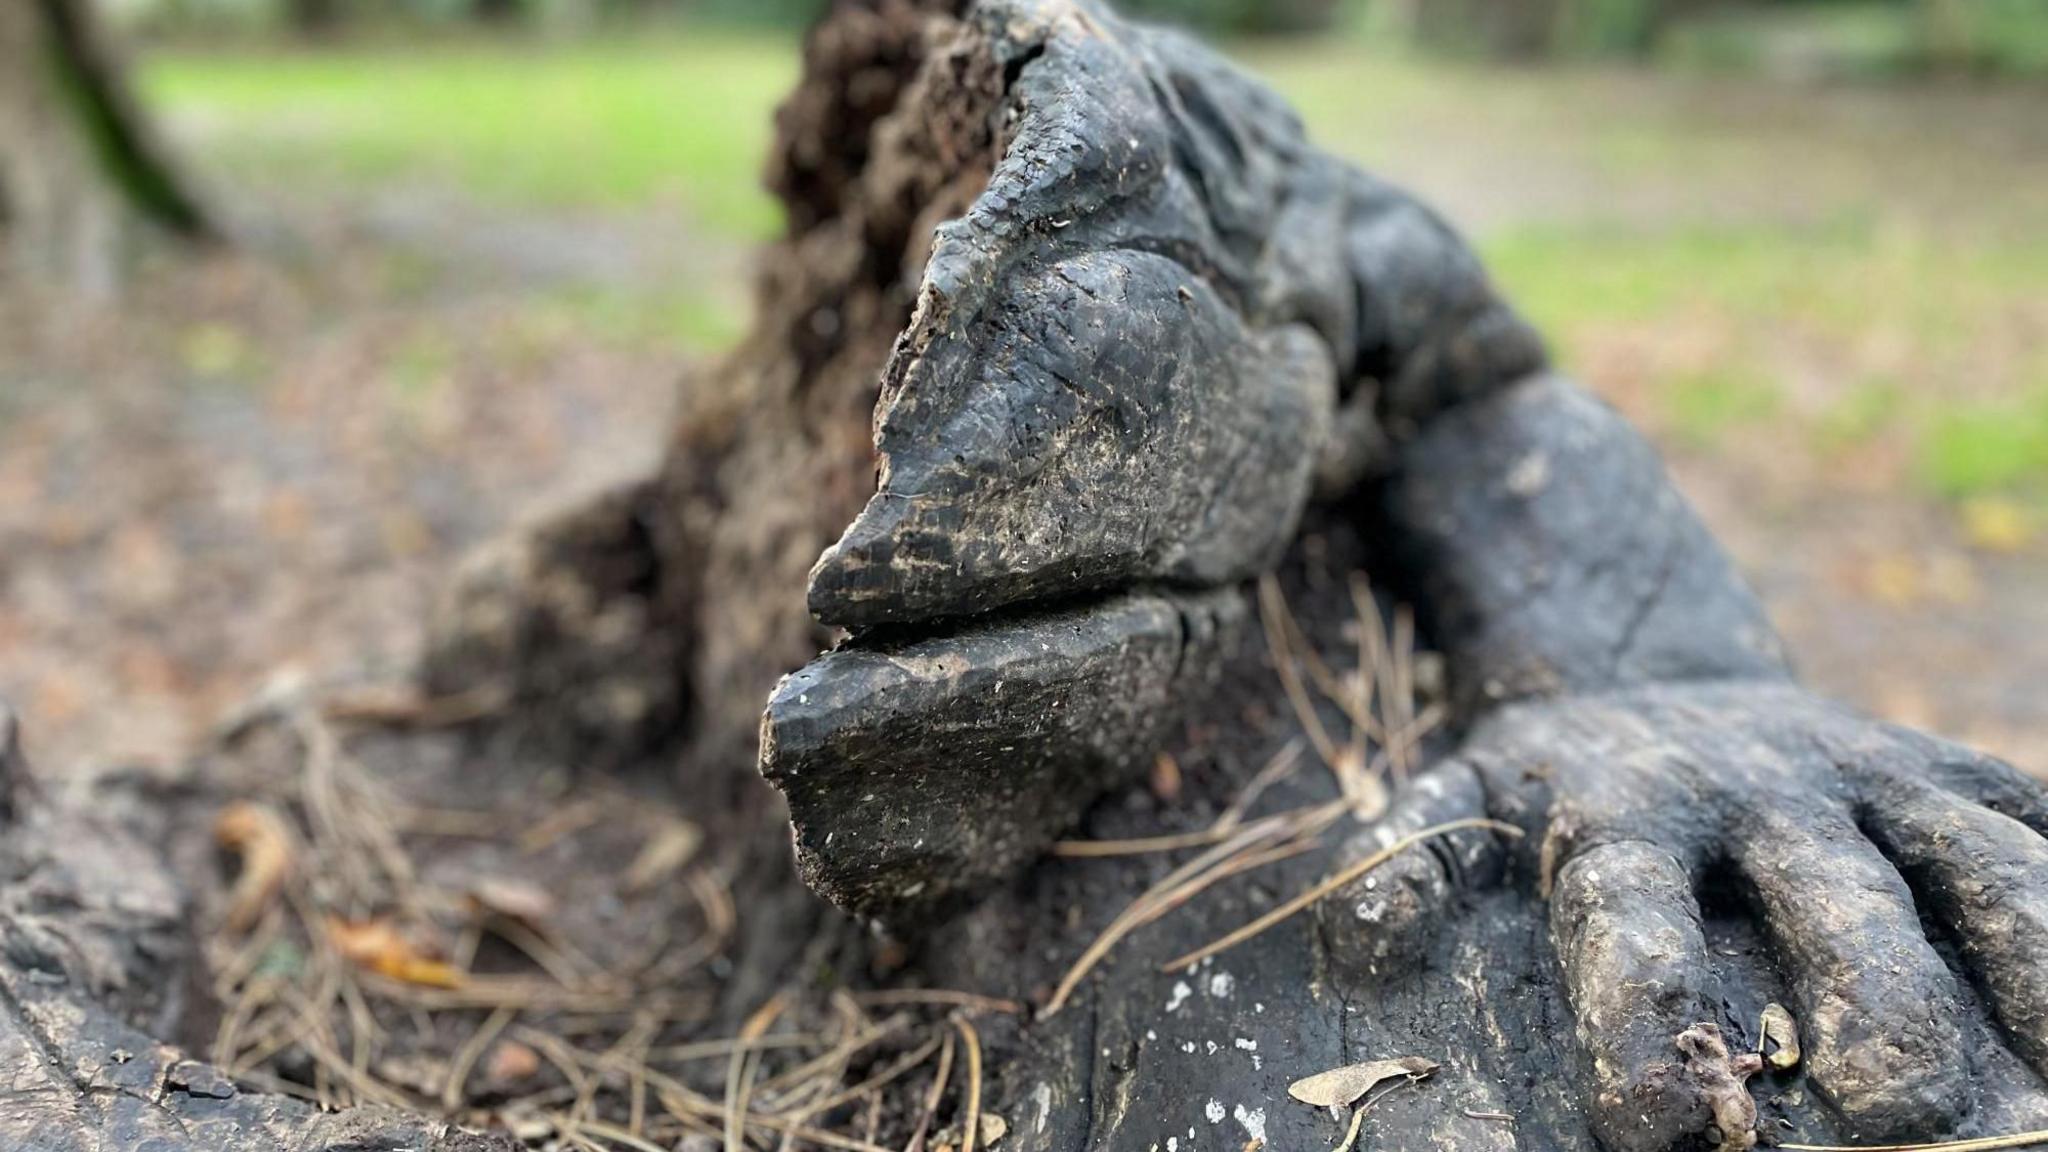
point(1778, 1028)
point(1894, 580)
point(671, 847)
point(1995, 525)
point(258, 835)
point(378, 946)
point(510, 1064)
point(512, 899)
point(1166, 780)
point(993, 1128)
point(1340, 1087)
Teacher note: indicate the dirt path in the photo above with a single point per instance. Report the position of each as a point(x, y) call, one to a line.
point(268, 461)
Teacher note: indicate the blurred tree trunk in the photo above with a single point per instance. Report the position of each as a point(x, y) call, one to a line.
point(497, 11)
point(1535, 30)
point(649, 625)
point(315, 17)
point(78, 158)
point(661, 615)
point(1945, 35)
point(1493, 29)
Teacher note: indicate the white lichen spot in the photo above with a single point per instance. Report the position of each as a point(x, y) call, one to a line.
point(1188, 1047)
point(1529, 475)
point(1173, 1144)
point(1247, 1044)
point(1214, 1111)
point(1042, 1097)
point(1181, 992)
point(1221, 985)
point(1212, 1046)
point(1252, 1120)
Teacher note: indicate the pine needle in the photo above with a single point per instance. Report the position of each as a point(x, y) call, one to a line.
point(1251, 846)
point(971, 1001)
point(472, 1050)
point(940, 1079)
point(971, 1129)
point(1351, 1133)
point(1333, 882)
point(739, 1074)
point(1975, 1144)
point(1273, 613)
point(1276, 768)
point(1138, 846)
point(573, 1128)
point(882, 1079)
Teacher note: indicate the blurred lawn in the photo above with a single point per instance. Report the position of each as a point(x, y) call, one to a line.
point(682, 117)
point(1857, 280)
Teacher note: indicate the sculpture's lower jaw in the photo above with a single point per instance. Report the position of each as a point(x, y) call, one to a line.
point(921, 771)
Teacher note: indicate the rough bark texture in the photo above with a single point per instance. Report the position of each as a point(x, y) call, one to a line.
point(79, 159)
point(658, 618)
point(648, 626)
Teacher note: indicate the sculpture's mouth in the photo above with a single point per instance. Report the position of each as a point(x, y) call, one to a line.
point(925, 764)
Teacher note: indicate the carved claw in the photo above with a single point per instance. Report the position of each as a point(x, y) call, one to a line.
point(1839, 839)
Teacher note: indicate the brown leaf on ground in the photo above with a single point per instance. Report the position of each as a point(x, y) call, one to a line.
point(512, 899)
point(1340, 1087)
point(1996, 525)
point(1166, 780)
point(259, 836)
point(510, 1064)
point(1778, 1037)
point(377, 946)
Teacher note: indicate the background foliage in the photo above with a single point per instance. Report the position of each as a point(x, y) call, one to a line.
point(1860, 36)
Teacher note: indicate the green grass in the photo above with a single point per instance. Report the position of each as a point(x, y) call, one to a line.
point(685, 318)
point(1837, 278)
point(1988, 448)
point(682, 116)
point(1851, 302)
point(1703, 407)
point(1867, 37)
